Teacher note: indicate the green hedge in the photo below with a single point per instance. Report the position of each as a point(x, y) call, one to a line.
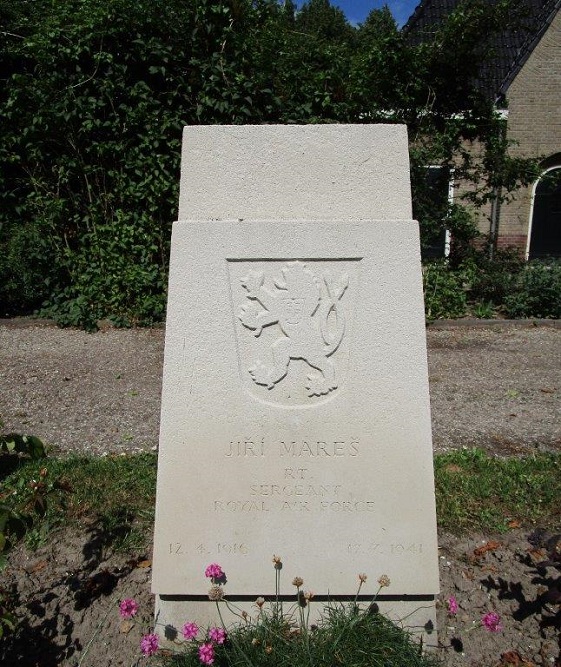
point(504, 287)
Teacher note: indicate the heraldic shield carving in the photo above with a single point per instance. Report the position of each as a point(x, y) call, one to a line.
point(293, 326)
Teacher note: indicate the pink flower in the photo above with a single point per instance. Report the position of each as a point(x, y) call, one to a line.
point(128, 608)
point(214, 571)
point(217, 635)
point(492, 622)
point(149, 644)
point(452, 606)
point(206, 654)
point(190, 630)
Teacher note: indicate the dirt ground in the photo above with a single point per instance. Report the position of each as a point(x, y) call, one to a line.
point(496, 386)
point(68, 593)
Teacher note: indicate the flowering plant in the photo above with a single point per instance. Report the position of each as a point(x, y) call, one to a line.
point(214, 572)
point(491, 621)
point(190, 631)
point(279, 631)
point(149, 644)
point(128, 608)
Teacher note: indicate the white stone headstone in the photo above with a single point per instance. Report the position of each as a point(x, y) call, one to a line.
point(295, 410)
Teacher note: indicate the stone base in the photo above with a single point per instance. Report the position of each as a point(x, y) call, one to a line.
point(418, 617)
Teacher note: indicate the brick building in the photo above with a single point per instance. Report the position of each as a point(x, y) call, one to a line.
point(525, 81)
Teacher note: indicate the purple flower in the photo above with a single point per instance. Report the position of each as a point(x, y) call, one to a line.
point(206, 654)
point(217, 635)
point(452, 605)
point(149, 644)
point(190, 630)
point(492, 622)
point(214, 571)
point(128, 608)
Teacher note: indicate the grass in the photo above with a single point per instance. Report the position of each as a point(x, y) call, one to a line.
point(346, 636)
point(114, 493)
point(474, 492)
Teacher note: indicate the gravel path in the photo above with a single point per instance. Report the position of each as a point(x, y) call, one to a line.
point(496, 386)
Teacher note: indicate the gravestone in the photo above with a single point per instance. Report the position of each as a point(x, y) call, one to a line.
point(295, 409)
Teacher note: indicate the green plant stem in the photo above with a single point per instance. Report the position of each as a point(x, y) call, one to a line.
point(371, 605)
point(220, 615)
point(236, 611)
point(278, 604)
point(357, 592)
point(235, 644)
point(300, 609)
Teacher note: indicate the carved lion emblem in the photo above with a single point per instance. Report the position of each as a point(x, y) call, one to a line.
point(307, 309)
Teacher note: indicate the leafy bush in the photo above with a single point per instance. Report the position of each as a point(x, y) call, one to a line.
point(536, 291)
point(92, 112)
point(486, 287)
point(24, 446)
point(25, 273)
point(16, 519)
point(493, 279)
point(444, 289)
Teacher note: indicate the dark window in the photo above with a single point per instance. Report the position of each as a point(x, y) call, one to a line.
point(431, 209)
point(545, 238)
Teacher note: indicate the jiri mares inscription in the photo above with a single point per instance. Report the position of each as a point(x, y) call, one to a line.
point(294, 448)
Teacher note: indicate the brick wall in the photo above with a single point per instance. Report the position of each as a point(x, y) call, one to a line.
point(534, 121)
point(512, 240)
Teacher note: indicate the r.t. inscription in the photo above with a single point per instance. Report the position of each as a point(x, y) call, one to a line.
point(295, 473)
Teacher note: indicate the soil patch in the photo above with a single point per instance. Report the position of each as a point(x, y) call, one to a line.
point(67, 592)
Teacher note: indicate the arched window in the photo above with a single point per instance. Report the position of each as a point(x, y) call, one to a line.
point(544, 236)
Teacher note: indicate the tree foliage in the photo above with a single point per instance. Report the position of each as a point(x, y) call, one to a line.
point(94, 95)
